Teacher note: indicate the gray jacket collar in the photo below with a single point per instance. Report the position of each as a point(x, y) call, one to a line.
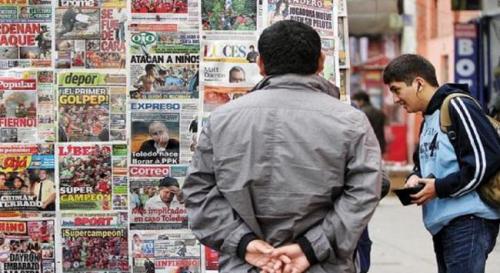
point(298, 82)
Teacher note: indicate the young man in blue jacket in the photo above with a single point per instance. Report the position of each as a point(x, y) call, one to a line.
point(451, 166)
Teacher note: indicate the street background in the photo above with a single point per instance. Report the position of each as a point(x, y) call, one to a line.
point(402, 244)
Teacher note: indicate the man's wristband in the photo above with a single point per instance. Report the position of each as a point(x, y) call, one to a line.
point(242, 245)
point(306, 247)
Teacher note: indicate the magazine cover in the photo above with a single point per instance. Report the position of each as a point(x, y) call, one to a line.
point(91, 106)
point(27, 246)
point(164, 62)
point(26, 107)
point(25, 34)
point(165, 251)
point(90, 33)
point(27, 181)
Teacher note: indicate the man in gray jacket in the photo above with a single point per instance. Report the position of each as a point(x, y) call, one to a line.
point(285, 178)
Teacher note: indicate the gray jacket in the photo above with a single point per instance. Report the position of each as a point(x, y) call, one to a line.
point(286, 161)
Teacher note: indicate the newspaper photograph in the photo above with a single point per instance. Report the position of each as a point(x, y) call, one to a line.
point(165, 252)
point(317, 14)
point(229, 15)
point(90, 33)
point(85, 175)
point(215, 96)
point(27, 179)
point(162, 132)
point(99, 248)
point(156, 199)
point(164, 62)
point(25, 34)
point(84, 107)
point(26, 106)
point(120, 179)
point(27, 246)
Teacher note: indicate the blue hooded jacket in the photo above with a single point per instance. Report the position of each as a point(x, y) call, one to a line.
point(460, 160)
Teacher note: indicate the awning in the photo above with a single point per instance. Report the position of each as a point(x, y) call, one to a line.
point(374, 17)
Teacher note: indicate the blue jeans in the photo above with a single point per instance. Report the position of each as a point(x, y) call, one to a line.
point(463, 245)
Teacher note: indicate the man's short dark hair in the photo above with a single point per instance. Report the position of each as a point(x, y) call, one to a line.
point(361, 96)
point(290, 47)
point(149, 67)
point(407, 67)
point(236, 69)
point(168, 181)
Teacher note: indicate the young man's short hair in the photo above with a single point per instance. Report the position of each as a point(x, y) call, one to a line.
point(290, 47)
point(407, 67)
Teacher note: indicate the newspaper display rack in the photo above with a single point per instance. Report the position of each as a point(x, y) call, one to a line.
point(100, 105)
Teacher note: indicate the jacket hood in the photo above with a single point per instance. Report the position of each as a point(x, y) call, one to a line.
point(442, 92)
point(298, 82)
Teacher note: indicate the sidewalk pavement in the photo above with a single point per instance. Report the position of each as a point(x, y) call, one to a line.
point(402, 244)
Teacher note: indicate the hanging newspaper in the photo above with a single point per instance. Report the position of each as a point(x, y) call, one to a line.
point(26, 106)
point(211, 260)
point(342, 6)
point(164, 62)
point(228, 16)
point(90, 33)
point(156, 199)
point(27, 179)
point(85, 175)
point(331, 65)
point(229, 70)
point(94, 242)
point(343, 39)
point(165, 252)
point(344, 85)
point(162, 132)
point(27, 246)
point(185, 11)
point(120, 179)
point(25, 34)
point(84, 106)
point(317, 14)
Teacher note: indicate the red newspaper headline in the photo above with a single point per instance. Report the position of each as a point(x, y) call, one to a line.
point(154, 27)
point(13, 1)
point(17, 122)
point(93, 221)
point(147, 171)
point(177, 262)
point(15, 162)
point(17, 84)
point(21, 34)
point(13, 227)
point(109, 25)
point(81, 150)
point(18, 150)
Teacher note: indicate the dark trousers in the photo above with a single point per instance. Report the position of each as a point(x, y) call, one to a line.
point(364, 248)
point(463, 245)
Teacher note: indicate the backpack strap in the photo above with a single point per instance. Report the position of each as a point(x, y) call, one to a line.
point(444, 118)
